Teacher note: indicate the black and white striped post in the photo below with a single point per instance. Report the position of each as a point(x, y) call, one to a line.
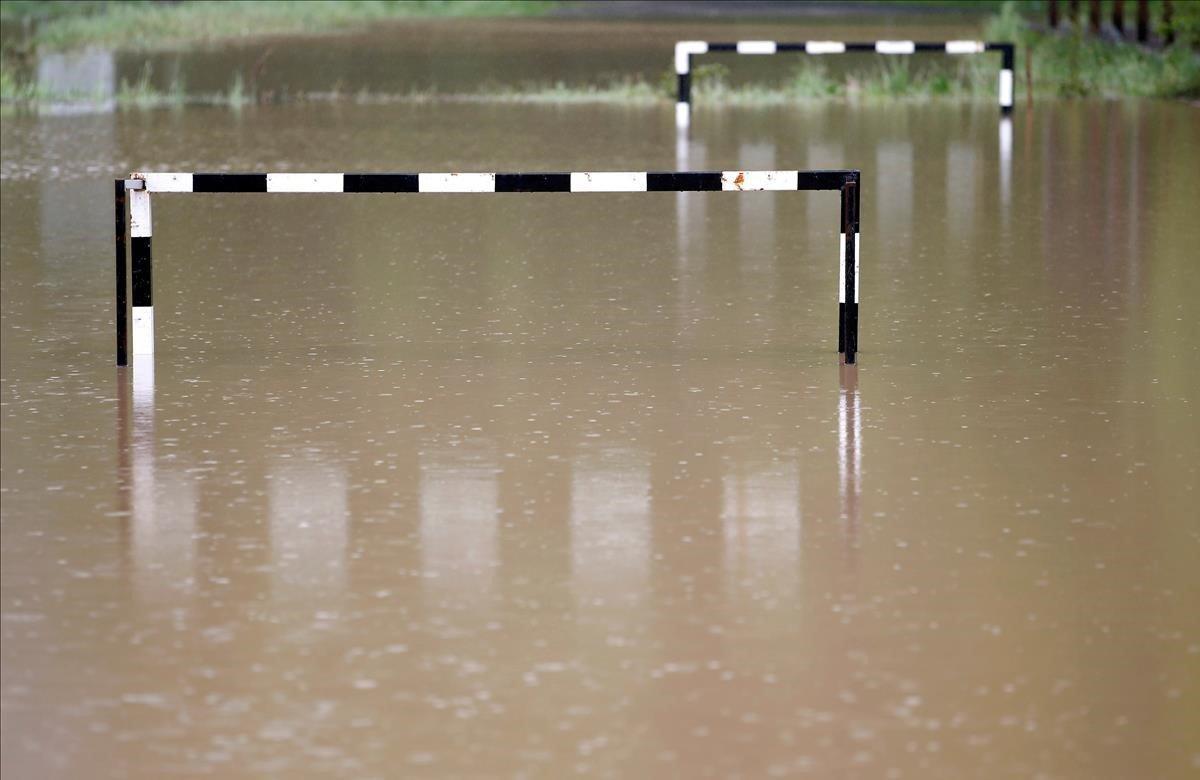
point(141, 186)
point(685, 50)
point(848, 272)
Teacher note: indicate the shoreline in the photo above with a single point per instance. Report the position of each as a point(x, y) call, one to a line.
point(1064, 66)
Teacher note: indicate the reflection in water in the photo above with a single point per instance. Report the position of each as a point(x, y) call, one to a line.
point(691, 209)
point(1006, 141)
point(308, 511)
point(762, 520)
point(822, 155)
point(610, 528)
point(849, 451)
point(161, 501)
point(459, 511)
point(756, 213)
point(87, 74)
point(1073, 489)
point(689, 206)
point(961, 180)
point(893, 184)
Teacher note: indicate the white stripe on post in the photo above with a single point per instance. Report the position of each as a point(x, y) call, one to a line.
point(824, 47)
point(756, 47)
point(964, 47)
point(456, 182)
point(751, 181)
point(1006, 87)
point(143, 418)
point(683, 114)
point(166, 182)
point(684, 51)
point(842, 268)
point(143, 330)
point(625, 181)
point(139, 214)
point(304, 182)
point(857, 260)
point(895, 47)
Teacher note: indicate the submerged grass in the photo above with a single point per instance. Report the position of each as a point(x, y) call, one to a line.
point(1063, 65)
point(140, 26)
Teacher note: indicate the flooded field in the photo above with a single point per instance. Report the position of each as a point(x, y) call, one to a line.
point(467, 55)
point(553, 484)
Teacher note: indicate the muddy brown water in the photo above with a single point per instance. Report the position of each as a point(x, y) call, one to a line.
point(470, 55)
point(555, 484)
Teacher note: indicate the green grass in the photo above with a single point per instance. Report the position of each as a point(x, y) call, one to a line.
point(1064, 65)
point(1074, 64)
point(135, 25)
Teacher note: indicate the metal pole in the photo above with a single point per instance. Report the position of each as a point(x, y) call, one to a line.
point(141, 271)
point(122, 321)
point(852, 283)
point(684, 84)
point(848, 294)
point(1007, 78)
point(842, 272)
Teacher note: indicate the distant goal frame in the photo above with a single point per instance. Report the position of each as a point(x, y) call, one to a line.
point(686, 50)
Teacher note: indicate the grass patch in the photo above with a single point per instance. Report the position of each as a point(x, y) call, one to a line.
point(142, 26)
point(1063, 64)
point(1075, 64)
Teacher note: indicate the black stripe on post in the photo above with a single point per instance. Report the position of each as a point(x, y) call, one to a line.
point(122, 301)
point(722, 47)
point(801, 46)
point(683, 182)
point(143, 290)
point(842, 274)
point(823, 180)
point(1007, 52)
point(867, 47)
point(379, 182)
point(919, 46)
point(684, 88)
point(229, 182)
point(533, 182)
point(850, 229)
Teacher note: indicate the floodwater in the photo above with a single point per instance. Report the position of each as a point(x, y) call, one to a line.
point(460, 485)
point(469, 55)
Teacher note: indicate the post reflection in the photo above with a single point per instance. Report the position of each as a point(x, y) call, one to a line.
point(756, 215)
point(308, 511)
point(161, 501)
point(690, 217)
point(459, 512)
point(762, 524)
point(822, 155)
point(893, 184)
point(849, 451)
point(610, 528)
point(1006, 142)
point(961, 182)
point(91, 72)
point(689, 206)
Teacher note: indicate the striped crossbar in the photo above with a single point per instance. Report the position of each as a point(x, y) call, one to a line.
point(141, 186)
point(685, 50)
point(579, 181)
